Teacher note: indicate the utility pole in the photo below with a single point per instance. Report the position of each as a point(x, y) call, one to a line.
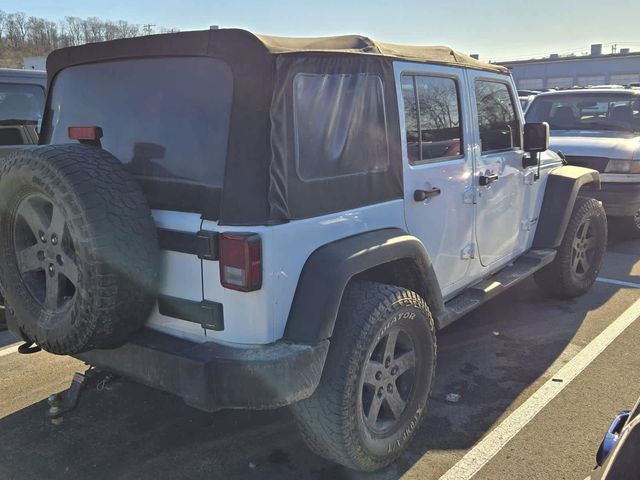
point(148, 28)
point(614, 48)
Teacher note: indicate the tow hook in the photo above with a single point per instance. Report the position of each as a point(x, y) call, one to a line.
point(28, 347)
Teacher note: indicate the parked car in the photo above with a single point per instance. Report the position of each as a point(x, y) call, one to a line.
point(599, 129)
point(21, 104)
point(617, 457)
point(253, 222)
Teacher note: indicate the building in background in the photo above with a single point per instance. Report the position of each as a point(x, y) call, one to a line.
point(34, 63)
point(555, 71)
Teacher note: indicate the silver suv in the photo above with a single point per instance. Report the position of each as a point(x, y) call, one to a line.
point(599, 129)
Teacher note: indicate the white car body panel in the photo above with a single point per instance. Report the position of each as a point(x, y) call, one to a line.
point(259, 317)
point(596, 144)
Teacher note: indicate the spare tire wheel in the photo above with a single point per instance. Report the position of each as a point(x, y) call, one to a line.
point(79, 258)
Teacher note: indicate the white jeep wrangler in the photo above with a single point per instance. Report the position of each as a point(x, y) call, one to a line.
point(253, 222)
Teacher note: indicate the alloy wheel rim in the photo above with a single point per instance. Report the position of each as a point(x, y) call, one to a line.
point(45, 253)
point(388, 381)
point(584, 248)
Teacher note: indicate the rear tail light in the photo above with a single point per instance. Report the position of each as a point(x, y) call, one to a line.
point(85, 133)
point(241, 261)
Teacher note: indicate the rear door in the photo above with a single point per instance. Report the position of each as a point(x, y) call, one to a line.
point(499, 176)
point(438, 169)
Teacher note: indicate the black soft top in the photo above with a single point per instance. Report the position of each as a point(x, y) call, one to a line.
point(214, 42)
point(261, 183)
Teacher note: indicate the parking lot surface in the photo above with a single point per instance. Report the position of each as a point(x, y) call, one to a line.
point(494, 360)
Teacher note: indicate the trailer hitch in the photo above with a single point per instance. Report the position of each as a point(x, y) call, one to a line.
point(66, 401)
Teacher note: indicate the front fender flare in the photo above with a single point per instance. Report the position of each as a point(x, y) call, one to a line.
point(328, 270)
point(563, 186)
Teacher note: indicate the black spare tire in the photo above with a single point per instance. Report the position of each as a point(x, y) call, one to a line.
point(79, 259)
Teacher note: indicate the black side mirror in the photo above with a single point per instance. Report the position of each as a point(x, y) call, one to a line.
point(536, 140)
point(536, 137)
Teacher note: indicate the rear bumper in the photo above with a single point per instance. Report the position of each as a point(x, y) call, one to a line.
point(619, 199)
point(212, 376)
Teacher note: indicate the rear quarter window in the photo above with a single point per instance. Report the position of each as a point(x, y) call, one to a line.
point(340, 125)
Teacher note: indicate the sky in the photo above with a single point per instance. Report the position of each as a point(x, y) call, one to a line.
point(495, 29)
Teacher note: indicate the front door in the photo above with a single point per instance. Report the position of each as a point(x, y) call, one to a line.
point(499, 175)
point(438, 166)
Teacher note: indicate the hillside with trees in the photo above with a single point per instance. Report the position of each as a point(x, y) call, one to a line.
point(22, 35)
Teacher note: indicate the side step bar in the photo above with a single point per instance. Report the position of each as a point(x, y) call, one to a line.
point(494, 285)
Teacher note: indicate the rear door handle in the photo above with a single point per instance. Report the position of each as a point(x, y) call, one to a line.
point(422, 195)
point(488, 179)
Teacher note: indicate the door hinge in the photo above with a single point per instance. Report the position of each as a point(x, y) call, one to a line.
point(468, 252)
point(469, 196)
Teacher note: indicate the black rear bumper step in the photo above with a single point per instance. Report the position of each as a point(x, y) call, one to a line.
point(211, 376)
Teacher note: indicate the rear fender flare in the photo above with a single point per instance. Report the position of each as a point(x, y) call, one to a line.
point(329, 269)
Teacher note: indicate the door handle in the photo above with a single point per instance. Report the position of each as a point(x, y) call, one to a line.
point(422, 195)
point(488, 179)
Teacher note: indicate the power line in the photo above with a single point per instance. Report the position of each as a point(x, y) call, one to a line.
point(147, 28)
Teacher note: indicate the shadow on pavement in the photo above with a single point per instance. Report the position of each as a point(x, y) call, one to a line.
point(128, 431)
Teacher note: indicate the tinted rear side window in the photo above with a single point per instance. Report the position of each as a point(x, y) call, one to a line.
point(432, 118)
point(163, 118)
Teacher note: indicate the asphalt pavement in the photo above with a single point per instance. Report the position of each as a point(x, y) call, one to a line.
point(497, 360)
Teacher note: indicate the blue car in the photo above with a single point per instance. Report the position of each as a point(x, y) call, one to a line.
point(619, 454)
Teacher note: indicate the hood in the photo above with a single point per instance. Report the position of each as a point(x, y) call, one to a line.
point(596, 144)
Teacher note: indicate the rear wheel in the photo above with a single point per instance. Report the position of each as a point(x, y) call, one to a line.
point(580, 255)
point(376, 379)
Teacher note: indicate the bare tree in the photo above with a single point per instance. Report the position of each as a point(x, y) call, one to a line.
point(21, 35)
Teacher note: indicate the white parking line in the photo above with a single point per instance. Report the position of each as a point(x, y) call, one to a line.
point(620, 283)
point(489, 446)
point(9, 350)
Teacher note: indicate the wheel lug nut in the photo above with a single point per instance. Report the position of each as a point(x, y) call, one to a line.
point(389, 388)
point(378, 375)
point(380, 392)
point(387, 362)
point(43, 239)
point(54, 239)
point(394, 370)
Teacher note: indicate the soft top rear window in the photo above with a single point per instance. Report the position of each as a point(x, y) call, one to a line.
point(165, 119)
